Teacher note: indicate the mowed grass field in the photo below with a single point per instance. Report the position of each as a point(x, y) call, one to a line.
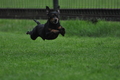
point(87, 52)
point(63, 3)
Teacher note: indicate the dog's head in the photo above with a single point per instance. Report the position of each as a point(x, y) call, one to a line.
point(53, 15)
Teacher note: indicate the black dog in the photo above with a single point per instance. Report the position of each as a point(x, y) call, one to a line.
point(49, 30)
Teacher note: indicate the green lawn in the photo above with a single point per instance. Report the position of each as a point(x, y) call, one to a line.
point(77, 56)
point(62, 3)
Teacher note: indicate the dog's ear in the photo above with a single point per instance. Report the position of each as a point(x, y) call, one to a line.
point(58, 9)
point(47, 10)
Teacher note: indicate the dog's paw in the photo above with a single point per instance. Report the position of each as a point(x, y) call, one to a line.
point(62, 31)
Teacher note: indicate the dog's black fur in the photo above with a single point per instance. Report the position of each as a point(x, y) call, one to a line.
point(51, 29)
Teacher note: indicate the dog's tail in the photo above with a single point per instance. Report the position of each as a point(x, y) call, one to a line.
point(36, 21)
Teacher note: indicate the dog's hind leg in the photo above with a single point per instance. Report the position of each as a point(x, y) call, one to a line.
point(33, 34)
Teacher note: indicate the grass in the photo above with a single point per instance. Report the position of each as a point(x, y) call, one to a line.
point(72, 57)
point(86, 28)
point(62, 3)
point(89, 3)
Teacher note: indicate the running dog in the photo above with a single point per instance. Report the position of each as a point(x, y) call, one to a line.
point(51, 29)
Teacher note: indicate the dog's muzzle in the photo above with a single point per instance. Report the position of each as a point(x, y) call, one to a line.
point(54, 20)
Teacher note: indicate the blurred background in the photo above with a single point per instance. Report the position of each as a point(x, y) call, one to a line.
point(63, 3)
point(70, 9)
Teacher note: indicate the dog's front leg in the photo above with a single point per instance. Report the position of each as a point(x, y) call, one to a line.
point(62, 30)
point(53, 30)
point(51, 34)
